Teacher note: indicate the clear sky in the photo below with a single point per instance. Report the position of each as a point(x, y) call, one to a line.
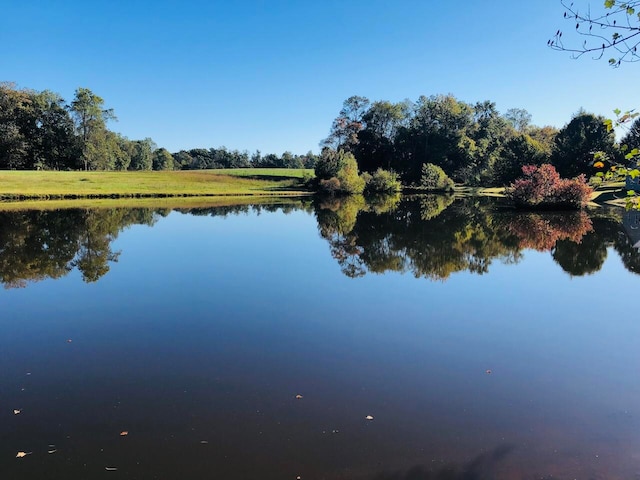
point(272, 75)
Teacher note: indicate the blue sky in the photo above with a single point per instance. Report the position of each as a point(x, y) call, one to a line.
point(272, 75)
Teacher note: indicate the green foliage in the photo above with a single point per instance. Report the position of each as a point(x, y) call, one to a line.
point(350, 182)
point(465, 140)
point(382, 181)
point(576, 143)
point(519, 151)
point(434, 179)
point(162, 160)
point(141, 152)
point(36, 131)
point(432, 205)
point(90, 119)
point(337, 172)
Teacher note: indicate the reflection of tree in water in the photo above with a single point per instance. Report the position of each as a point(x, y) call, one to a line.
point(541, 231)
point(35, 245)
point(582, 258)
point(285, 205)
point(433, 205)
point(434, 236)
point(452, 239)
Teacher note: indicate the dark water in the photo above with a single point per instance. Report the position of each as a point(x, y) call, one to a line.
point(484, 344)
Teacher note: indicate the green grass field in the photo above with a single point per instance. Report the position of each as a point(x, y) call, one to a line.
point(56, 185)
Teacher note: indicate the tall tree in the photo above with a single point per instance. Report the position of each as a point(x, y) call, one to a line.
point(376, 141)
point(519, 119)
point(142, 154)
point(162, 159)
point(90, 119)
point(53, 140)
point(344, 130)
point(577, 142)
point(15, 115)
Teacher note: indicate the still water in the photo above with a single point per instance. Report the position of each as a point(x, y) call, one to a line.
point(258, 342)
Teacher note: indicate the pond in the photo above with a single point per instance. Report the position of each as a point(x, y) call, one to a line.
point(414, 338)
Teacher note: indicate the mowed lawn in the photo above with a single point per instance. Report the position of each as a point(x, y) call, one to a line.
point(248, 181)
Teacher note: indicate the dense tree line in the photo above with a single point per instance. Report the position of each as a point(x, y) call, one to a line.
point(39, 130)
point(473, 144)
point(202, 158)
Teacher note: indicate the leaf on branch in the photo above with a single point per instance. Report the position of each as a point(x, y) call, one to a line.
point(609, 124)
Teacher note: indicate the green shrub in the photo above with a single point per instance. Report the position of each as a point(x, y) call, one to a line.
point(350, 181)
point(337, 172)
point(383, 181)
point(434, 179)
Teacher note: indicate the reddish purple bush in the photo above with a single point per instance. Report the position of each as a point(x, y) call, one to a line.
point(542, 187)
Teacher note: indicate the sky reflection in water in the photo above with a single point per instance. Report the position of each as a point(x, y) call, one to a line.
point(208, 325)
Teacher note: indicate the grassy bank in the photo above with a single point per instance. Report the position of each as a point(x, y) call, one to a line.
point(17, 185)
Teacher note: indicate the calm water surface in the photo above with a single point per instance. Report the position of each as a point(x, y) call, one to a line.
point(484, 344)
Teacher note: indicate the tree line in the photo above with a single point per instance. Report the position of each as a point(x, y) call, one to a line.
point(40, 130)
point(473, 143)
point(434, 236)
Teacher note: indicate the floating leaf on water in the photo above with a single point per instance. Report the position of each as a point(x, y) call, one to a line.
point(17, 411)
point(111, 469)
point(368, 417)
point(124, 433)
point(23, 454)
point(299, 397)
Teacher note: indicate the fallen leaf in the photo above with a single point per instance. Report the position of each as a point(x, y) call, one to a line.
point(23, 454)
point(17, 411)
point(124, 433)
point(110, 469)
point(368, 417)
point(298, 397)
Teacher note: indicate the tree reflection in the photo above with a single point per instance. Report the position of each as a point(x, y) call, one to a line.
point(429, 236)
point(433, 236)
point(542, 231)
point(36, 245)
